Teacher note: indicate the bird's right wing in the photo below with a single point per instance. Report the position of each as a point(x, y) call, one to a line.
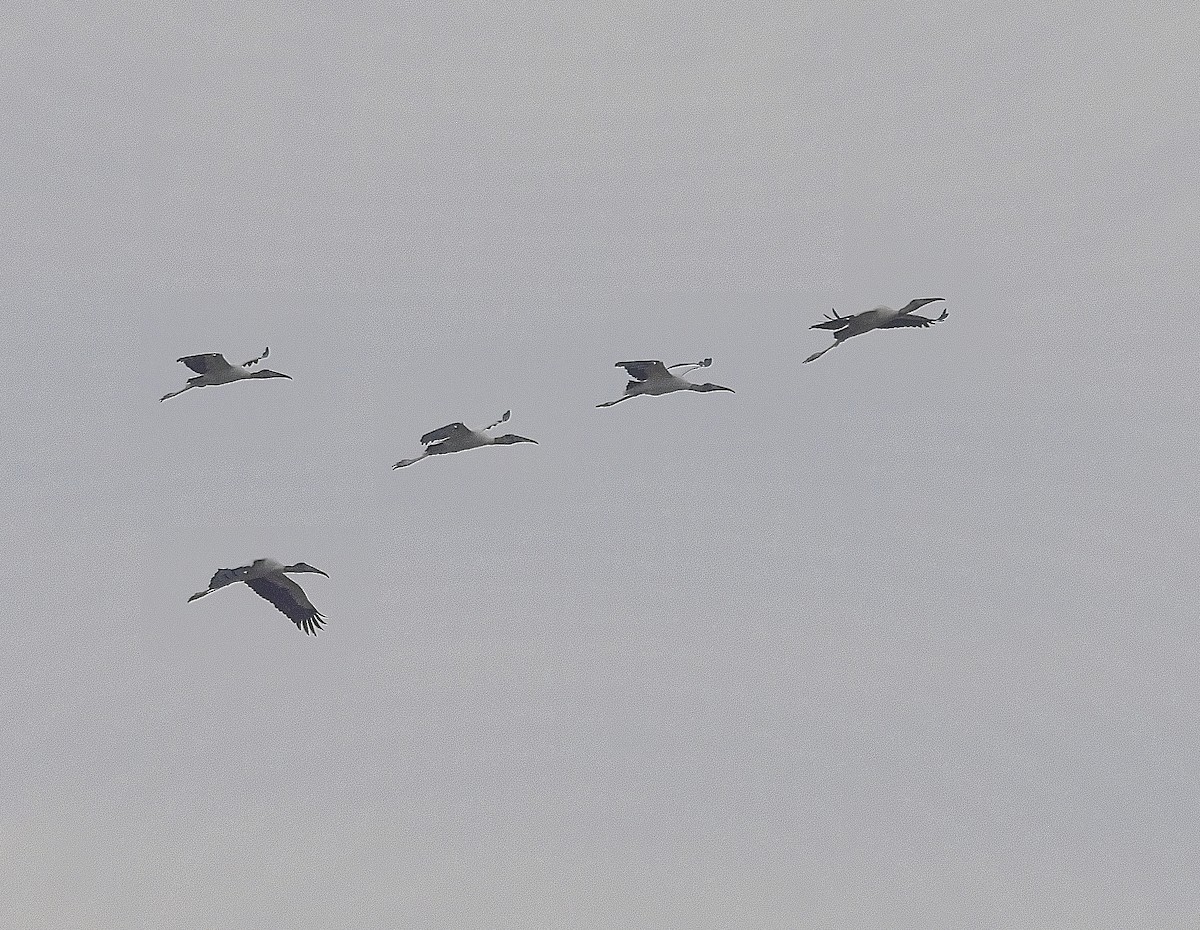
point(290, 600)
point(203, 364)
point(644, 370)
point(442, 432)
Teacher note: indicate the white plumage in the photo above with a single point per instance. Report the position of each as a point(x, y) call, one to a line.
point(212, 368)
point(651, 377)
point(268, 579)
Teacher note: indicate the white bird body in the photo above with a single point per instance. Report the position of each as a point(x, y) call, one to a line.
point(228, 375)
point(260, 568)
point(651, 377)
point(213, 369)
point(659, 386)
point(458, 437)
point(877, 316)
point(464, 439)
point(268, 579)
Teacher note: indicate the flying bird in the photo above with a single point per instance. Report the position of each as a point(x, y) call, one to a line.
point(653, 377)
point(880, 318)
point(268, 580)
point(457, 437)
point(211, 368)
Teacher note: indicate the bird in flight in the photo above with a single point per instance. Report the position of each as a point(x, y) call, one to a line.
point(211, 368)
point(880, 318)
point(651, 376)
point(267, 579)
point(457, 437)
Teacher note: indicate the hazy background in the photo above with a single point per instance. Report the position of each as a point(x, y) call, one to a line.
point(903, 638)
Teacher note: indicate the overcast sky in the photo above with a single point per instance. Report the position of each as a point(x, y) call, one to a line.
point(905, 638)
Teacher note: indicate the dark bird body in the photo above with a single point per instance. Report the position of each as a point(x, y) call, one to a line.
point(880, 318)
point(267, 579)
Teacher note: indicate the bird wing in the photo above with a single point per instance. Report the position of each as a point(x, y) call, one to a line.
point(223, 577)
point(290, 600)
point(203, 364)
point(442, 432)
point(917, 304)
point(645, 370)
point(910, 320)
point(226, 576)
point(835, 322)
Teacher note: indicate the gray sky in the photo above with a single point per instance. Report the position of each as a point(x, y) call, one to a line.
point(903, 638)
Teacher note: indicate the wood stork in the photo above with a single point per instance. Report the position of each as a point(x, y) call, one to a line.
point(268, 580)
point(457, 437)
point(880, 318)
point(212, 368)
point(651, 376)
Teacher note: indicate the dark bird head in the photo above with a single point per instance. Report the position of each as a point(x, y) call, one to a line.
point(304, 567)
point(709, 386)
point(267, 373)
point(509, 438)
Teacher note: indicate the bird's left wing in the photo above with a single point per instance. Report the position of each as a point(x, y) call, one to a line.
point(644, 370)
point(203, 364)
point(914, 305)
point(442, 432)
point(911, 321)
point(223, 577)
point(290, 600)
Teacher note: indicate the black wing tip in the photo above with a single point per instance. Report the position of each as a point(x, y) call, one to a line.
point(311, 625)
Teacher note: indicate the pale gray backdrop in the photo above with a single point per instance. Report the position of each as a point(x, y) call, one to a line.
point(903, 638)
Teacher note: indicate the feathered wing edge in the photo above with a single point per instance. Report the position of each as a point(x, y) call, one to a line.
point(644, 369)
point(442, 432)
point(290, 600)
point(223, 577)
point(910, 319)
point(918, 303)
point(205, 362)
